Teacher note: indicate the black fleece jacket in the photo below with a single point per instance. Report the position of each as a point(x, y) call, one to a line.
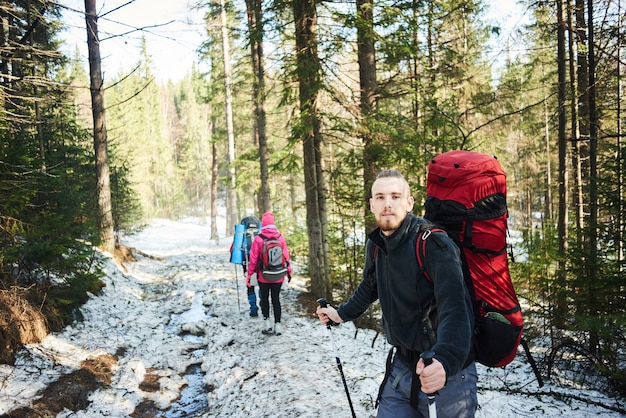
point(417, 314)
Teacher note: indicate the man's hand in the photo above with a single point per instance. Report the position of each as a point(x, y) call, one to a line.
point(432, 377)
point(328, 314)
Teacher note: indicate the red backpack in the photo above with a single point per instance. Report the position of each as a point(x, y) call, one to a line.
point(273, 261)
point(466, 197)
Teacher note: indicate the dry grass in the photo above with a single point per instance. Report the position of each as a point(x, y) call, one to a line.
point(20, 323)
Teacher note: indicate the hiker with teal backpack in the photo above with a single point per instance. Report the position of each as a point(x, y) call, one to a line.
point(420, 317)
point(251, 227)
point(269, 260)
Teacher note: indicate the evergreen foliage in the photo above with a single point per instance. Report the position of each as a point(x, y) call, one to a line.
point(48, 227)
point(436, 91)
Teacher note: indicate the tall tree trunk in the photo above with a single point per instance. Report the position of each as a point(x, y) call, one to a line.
point(255, 27)
point(214, 174)
point(309, 73)
point(430, 48)
point(561, 301)
point(581, 94)
point(575, 126)
point(368, 85)
point(231, 202)
point(549, 205)
point(621, 221)
point(38, 119)
point(103, 187)
point(592, 265)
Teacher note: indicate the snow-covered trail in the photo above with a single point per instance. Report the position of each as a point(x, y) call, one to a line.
point(186, 305)
point(247, 374)
point(177, 323)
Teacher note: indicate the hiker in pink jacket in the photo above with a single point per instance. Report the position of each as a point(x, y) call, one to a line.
point(269, 258)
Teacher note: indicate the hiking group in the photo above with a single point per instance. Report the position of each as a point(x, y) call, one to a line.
point(265, 263)
point(442, 282)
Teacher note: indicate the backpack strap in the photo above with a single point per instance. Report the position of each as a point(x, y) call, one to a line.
point(387, 373)
point(262, 254)
point(423, 232)
point(264, 237)
point(372, 267)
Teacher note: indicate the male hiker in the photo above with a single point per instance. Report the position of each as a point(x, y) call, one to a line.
point(418, 316)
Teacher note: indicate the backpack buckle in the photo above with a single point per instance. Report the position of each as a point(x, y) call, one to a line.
point(426, 234)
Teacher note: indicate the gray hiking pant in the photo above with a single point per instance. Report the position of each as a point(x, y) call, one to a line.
point(457, 399)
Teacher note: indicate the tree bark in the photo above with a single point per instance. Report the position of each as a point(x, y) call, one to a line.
point(255, 27)
point(621, 215)
point(308, 73)
point(581, 95)
point(561, 302)
point(368, 86)
point(574, 122)
point(592, 265)
point(214, 175)
point(103, 187)
point(231, 203)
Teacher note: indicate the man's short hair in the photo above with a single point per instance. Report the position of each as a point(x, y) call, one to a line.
point(394, 174)
point(390, 173)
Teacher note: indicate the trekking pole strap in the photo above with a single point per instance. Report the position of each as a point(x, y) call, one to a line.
point(386, 378)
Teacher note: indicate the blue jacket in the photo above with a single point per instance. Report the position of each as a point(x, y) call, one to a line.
point(417, 315)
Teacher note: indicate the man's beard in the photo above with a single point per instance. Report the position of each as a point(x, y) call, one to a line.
point(388, 225)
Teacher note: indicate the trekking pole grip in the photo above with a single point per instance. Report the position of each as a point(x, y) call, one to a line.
point(427, 356)
point(324, 304)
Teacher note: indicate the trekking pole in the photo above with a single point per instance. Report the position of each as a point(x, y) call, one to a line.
point(237, 284)
point(243, 250)
point(531, 360)
point(432, 405)
point(322, 302)
point(235, 255)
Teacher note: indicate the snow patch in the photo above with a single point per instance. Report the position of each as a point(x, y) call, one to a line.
point(178, 323)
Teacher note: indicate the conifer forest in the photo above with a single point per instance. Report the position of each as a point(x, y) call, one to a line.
point(294, 107)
